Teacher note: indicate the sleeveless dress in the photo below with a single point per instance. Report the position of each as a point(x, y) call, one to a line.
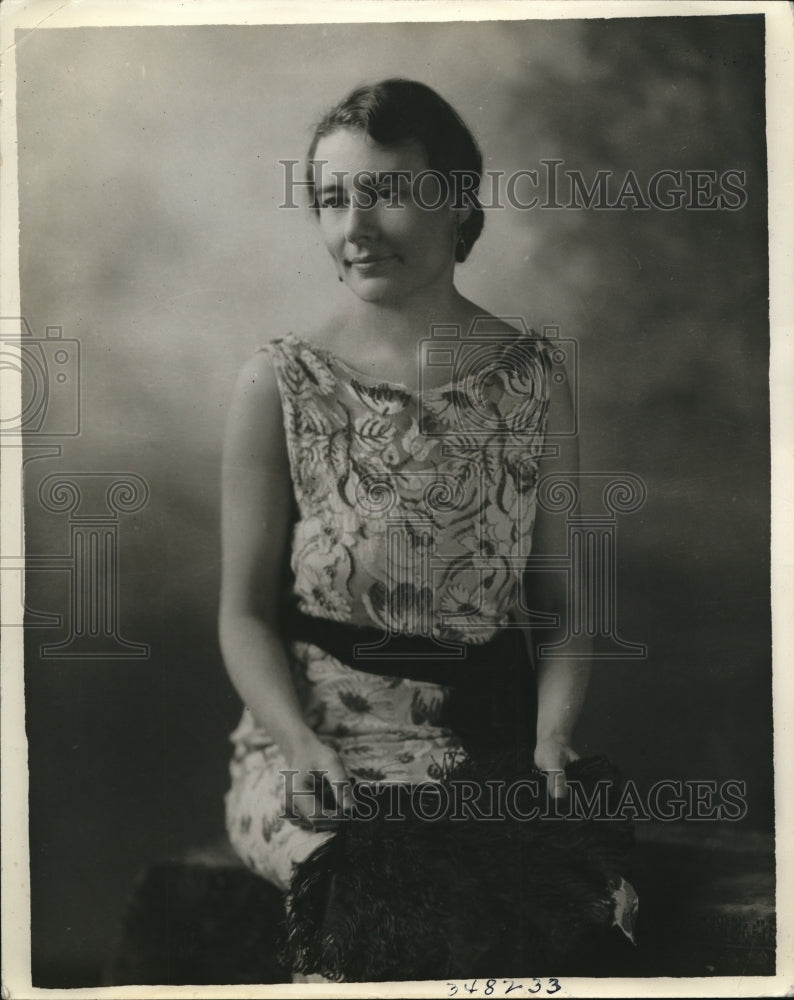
point(415, 513)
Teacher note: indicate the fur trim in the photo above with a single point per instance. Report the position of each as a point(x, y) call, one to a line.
point(454, 898)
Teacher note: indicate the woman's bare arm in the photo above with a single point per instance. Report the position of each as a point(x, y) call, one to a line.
point(255, 532)
point(562, 682)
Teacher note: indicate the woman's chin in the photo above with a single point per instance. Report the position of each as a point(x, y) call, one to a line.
point(376, 290)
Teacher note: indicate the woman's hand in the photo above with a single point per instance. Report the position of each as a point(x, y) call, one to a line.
point(551, 756)
point(320, 790)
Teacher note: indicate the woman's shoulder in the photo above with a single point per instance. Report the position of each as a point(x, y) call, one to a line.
point(265, 373)
point(254, 418)
point(291, 366)
point(481, 320)
point(321, 336)
point(507, 328)
point(325, 335)
point(511, 335)
point(272, 356)
point(256, 384)
point(269, 349)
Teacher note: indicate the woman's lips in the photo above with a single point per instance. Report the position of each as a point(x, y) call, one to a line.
point(367, 263)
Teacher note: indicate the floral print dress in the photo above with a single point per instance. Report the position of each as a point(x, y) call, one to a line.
point(415, 515)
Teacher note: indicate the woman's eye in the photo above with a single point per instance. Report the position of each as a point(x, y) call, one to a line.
point(332, 202)
point(389, 192)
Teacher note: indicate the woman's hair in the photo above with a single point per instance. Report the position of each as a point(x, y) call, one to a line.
point(397, 111)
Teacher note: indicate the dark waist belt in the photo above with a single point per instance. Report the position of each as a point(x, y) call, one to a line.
point(417, 657)
point(493, 698)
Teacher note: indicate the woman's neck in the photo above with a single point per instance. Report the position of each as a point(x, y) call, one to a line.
point(403, 324)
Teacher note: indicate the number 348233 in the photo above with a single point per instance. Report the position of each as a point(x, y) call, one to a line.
point(505, 987)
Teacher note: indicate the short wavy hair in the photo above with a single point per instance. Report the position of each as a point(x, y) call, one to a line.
point(398, 111)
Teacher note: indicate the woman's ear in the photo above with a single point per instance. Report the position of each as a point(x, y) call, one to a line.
point(461, 249)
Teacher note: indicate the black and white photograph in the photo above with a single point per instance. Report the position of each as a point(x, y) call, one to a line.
point(394, 524)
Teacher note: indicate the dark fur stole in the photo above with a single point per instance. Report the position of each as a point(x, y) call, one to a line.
point(453, 898)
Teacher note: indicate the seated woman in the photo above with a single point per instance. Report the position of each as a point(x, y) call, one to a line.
point(390, 459)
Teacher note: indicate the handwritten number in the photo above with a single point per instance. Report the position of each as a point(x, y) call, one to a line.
point(553, 986)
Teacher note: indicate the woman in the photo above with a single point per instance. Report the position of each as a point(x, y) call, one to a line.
point(401, 507)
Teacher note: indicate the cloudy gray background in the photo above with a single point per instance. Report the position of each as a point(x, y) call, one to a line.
point(150, 232)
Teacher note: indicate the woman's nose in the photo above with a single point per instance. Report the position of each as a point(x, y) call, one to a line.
point(361, 221)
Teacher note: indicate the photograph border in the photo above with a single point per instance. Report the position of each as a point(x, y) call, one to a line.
point(42, 15)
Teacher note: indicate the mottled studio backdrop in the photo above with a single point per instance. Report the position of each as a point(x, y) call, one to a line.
point(150, 233)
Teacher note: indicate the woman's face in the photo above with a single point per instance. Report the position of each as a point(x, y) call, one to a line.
point(386, 244)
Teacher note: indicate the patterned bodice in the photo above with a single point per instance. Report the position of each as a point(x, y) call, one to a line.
point(415, 509)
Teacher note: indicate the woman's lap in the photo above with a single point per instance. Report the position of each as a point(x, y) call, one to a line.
point(384, 729)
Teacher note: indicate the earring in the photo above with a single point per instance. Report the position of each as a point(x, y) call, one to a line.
point(460, 243)
point(339, 276)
